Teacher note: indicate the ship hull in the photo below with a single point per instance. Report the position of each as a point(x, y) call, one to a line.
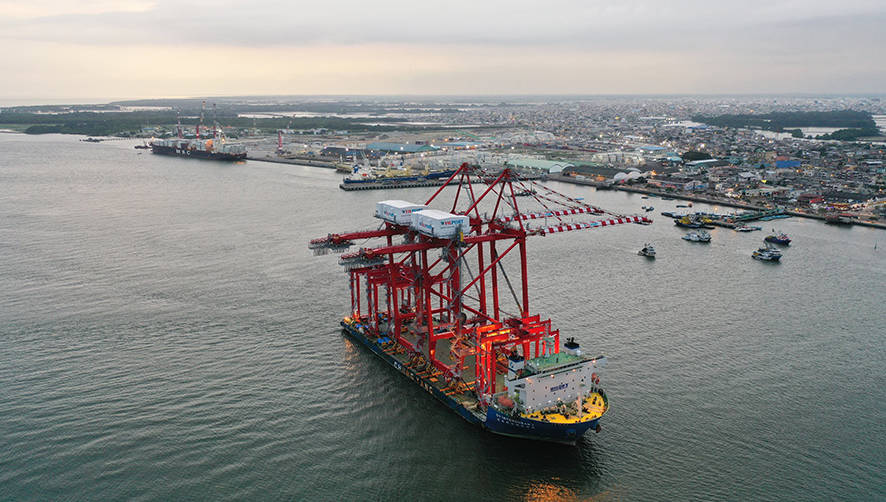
point(491, 420)
point(520, 427)
point(196, 154)
point(437, 175)
point(776, 240)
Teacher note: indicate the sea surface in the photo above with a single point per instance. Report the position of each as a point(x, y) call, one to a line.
point(165, 334)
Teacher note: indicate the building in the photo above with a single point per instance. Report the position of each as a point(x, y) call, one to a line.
point(677, 183)
point(547, 166)
point(400, 147)
point(806, 199)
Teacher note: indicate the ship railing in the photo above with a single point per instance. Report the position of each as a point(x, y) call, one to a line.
point(516, 409)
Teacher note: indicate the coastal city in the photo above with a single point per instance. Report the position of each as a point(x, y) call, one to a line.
point(657, 145)
point(415, 251)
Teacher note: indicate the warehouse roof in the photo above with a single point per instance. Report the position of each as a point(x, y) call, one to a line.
point(400, 147)
point(551, 166)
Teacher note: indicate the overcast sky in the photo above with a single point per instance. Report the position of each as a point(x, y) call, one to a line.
point(105, 49)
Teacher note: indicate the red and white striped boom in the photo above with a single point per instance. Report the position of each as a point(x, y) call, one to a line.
point(551, 214)
point(587, 225)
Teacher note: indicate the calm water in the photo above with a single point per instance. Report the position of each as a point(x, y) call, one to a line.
point(166, 335)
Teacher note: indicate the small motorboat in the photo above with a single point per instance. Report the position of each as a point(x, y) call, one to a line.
point(778, 238)
point(766, 253)
point(647, 251)
point(699, 236)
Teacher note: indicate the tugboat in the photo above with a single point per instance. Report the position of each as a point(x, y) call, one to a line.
point(647, 251)
point(766, 253)
point(687, 222)
point(700, 236)
point(778, 238)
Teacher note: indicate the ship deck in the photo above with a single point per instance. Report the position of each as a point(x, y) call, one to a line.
point(593, 406)
point(460, 392)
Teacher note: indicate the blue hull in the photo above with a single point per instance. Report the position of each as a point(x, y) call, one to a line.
point(775, 240)
point(492, 420)
point(507, 425)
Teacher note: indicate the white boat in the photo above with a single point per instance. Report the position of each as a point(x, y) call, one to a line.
point(699, 236)
point(767, 253)
point(647, 251)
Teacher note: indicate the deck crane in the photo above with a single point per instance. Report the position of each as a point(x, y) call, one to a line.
point(202, 112)
point(280, 137)
point(439, 298)
point(178, 126)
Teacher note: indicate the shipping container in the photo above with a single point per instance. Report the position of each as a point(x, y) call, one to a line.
point(397, 211)
point(439, 224)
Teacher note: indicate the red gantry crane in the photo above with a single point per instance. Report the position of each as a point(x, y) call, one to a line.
point(435, 289)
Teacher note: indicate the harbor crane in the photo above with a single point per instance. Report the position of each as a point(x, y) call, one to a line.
point(437, 292)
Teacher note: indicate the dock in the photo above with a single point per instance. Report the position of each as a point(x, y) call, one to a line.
point(706, 200)
point(385, 184)
point(378, 185)
point(299, 161)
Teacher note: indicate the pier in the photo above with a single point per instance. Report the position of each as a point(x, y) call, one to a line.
point(706, 200)
point(350, 187)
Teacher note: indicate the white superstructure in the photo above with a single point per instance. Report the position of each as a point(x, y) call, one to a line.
point(550, 380)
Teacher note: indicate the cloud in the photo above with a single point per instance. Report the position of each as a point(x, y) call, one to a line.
point(264, 23)
point(137, 49)
point(43, 8)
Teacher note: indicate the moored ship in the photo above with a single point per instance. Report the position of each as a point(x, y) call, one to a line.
point(212, 149)
point(427, 302)
point(362, 174)
point(215, 147)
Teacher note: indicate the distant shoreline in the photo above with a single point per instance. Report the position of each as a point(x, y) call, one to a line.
point(704, 200)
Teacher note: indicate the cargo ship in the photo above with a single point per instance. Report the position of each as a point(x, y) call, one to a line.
point(363, 174)
point(212, 149)
point(426, 300)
